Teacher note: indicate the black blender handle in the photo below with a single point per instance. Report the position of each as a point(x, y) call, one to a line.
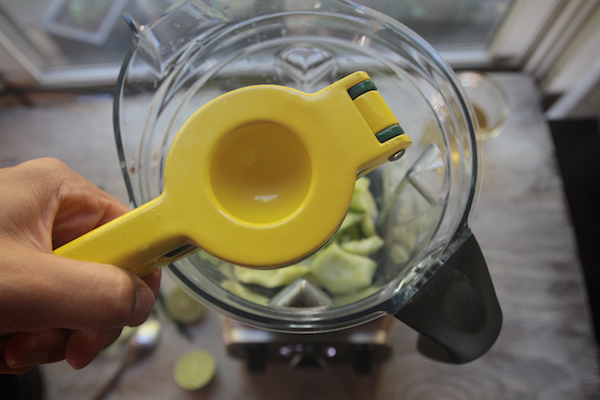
point(456, 311)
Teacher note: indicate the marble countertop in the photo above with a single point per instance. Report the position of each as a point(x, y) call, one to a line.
point(545, 351)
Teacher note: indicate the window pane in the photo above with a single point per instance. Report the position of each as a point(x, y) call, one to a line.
point(73, 33)
point(460, 24)
point(80, 32)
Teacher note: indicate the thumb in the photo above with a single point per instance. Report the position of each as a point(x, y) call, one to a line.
point(50, 291)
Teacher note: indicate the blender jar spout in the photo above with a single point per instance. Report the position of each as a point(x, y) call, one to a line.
point(145, 42)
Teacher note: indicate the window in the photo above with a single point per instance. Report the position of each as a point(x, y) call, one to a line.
point(62, 42)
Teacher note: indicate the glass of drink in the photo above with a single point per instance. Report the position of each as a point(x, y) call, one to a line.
point(489, 100)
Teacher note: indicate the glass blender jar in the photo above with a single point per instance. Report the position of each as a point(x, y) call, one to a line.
point(428, 270)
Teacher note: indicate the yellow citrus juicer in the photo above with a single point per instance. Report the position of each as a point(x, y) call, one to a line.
point(261, 176)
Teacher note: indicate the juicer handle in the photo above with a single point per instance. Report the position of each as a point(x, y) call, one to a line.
point(456, 311)
point(141, 241)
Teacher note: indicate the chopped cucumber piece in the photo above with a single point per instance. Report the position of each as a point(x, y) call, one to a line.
point(340, 267)
point(363, 247)
point(399, 253)
point(351, 219)
point(226, 270)
point(194, 370)
point(271, 278)
point(355, 227)
point(367, 226)
point(362, 199)
point(183, 308)
point(354, 297)
point(245, 293)
point(362, 184)
point(341, 272)
point(210, 258)
point(352, 233)
point(404, 239)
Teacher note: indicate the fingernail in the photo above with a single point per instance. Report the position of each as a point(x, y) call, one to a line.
point(144, 302)
point(33, 358)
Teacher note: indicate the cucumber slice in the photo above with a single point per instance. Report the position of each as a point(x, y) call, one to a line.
point(363, 247)
point(194, 370)
point(182, 308)
point(341, 272)
point(271, 278)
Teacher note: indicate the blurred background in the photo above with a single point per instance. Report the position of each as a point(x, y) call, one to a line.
point(60, 44)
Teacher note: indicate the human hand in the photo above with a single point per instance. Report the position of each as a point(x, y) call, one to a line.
point(54, 308)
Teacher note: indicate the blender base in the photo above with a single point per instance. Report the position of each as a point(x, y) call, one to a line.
point(361, 346)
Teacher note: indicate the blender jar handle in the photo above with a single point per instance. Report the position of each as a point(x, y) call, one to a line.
point(456, 311)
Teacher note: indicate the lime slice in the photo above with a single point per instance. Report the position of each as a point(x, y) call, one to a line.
point(194, 370)
point(181, 307)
